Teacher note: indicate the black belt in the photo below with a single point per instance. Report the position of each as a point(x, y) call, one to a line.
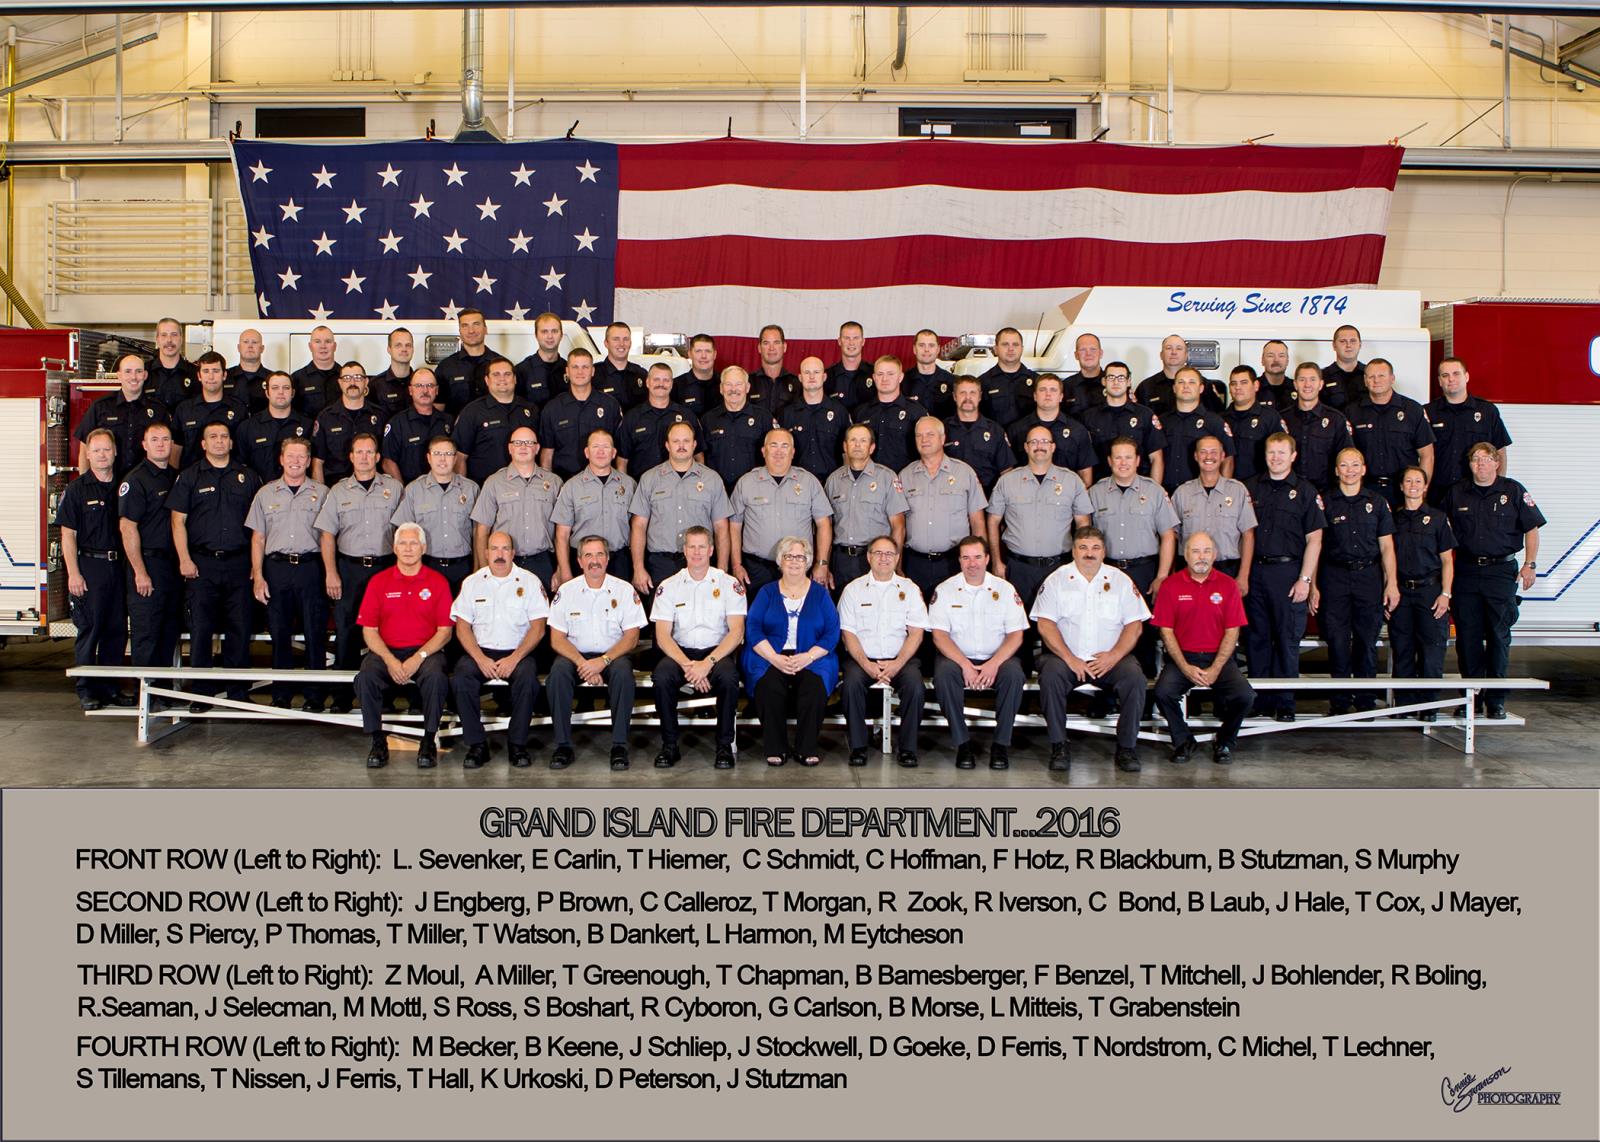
point(851, 549)
point(1487, 560)
point(1124, 564)
point(363, 560)
point(1353, 564)
point(442, 561)
point(1273, 559)
point(1036, 560)
point(110, 556)
point(1382, 479)
point(930, 554)
point(214, 553)
point(157, 553)
point(294, 558)
point(1418, 584)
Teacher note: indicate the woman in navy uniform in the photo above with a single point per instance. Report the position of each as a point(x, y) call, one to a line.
point(91, 548)
point(1424, 568)
point(1355, 583)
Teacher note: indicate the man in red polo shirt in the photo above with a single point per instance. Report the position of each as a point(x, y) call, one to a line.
point(405, 618)
point(1199, 613)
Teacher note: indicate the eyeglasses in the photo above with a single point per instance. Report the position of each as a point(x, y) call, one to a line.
point(352, 376)
point(523, 443)
point(800, 555)
point(888, 553)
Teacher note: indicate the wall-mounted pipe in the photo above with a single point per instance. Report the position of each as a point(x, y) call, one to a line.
point(899, 39)
point(473, 125)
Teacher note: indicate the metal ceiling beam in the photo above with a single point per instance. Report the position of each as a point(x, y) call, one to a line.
point(1578, 45)
point(75, 65)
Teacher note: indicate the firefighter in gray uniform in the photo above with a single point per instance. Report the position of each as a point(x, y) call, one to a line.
point(519, 500)
point(1141, 530)
point(1032, 515)
point(867, 502)
point(286, 567)
point(670, 499)
point(356, 544)
point(442, 502)
point(776, 500)
point(1220, 507)
point(944, 505)
point(594, 502)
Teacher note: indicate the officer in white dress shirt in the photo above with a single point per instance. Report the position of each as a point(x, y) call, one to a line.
point(1090, 617)
point(977, 622)
point(882, 619)
point(699, 616)
point(500, 617)
point(595, 622)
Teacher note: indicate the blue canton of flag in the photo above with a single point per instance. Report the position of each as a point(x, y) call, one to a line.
point(410, 230)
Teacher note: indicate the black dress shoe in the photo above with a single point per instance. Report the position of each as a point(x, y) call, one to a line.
point(724, 757)
point(1221, 754)
point(999, 756)
point(858, 757)
point(119, 699)
point(1283, 716)
point(378, 755)
point(427, 752)
point(666, 759)
point(1335, 709)
point(338, 706)
point(477, 756)
point(562, 757)
point(518, 756)
point(1496, 713)
point(198, 707)
point(1427, 715)
point(619, 758)
point(1180, 753)
point(284, 703)
point(1060, 757)
point(908, 759)
point(1127, 761)
point(88, 704)
point(964, 756)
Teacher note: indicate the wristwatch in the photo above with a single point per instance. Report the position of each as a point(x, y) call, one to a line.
point(422, 654)
point(1530, 565)
point(606, 658)
point(1305, 578)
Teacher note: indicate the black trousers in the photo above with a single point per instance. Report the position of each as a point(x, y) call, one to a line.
point(1233, 698)
point(541, 564)
point(660, 566)
point(155, 621)
point(846, 567)
point(855, 687)
point(761, 571)
point(1417, 639)
point(454, 570)
point(1350, 617)
point(1126, 681)
point(219, 602)
point(348, 641)
point(373, 685)
point(563, 684)
point(1027, 575)
point(101, 616)
point(1143, 572)
point(928, 571)
point(296, 596)
point(1485, 606)
point(775, 693)
point(951, 689)
point(467, 685)
point(724, 679)
point(1275, 628)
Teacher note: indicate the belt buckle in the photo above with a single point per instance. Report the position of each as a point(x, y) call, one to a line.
point(113, 555)
point(291, 557)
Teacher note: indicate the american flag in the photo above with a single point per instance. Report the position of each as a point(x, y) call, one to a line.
point(723, 236)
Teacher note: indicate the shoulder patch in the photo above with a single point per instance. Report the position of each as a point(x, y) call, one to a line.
point(1527, 498)
point(123, 490)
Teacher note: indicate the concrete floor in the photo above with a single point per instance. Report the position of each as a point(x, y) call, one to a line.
point(46, 741)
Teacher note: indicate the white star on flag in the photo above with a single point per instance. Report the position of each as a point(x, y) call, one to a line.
point(263, 303)
point(554, 205)
point(260, 171)
point(352, 284)
point(586, 240)
point(552, 280)
point(584, 310)
point(385, 312)
point(420, 207)
point(455, 241)
point(289, 278)
point(519, 242)
point(320, 313)
point(291, 212)
point(324, 176)
point(517, 312)
point(522, 174)
point(391, 242)
point(353, 213)
point(419, 278)
point(486, 209)
point(390, 176)
point(484, 282)
point(262, 238)
point(587, 172)
point(455, 174)
point(324, 244)
point(450, 310)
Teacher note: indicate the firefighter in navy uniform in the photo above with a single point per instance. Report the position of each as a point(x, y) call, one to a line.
point(1424, 561)
point(696, 387)
point(91, 549)
point(1116, 417)
point(261, 436)
point(929, 383)
point(1493, 518)
point(771, 384)
point(316, 383)
point(975, 440)
point(1391, 430)
point(1318, 430)
point(155, 597)
point(286, 567)
point(125, 414)
point(643, 439)
point(614, 375)
point(542, 374)
point(389, 390)
point(484, 427)
point(210, 405)
point(735, 431)
point(1459, 421)
point(461, 374)
point(246, 381)
point(172, 379)
point(1251, 421)
point(209, 503)
point(1085, 388)
point(1007, 385)
point(409, 432)
point(1185, 423)
point(1074, 449)
point(1288, 545)
point(892, 418)
point(566, 422)
point(817, 422)
point(1356, 585)
point(341, 422)
point(1156, 390)
point(849, 379)
point(1344, 378)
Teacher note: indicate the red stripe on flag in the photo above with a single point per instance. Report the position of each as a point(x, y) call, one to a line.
point(976, 264)
point(1000, 166)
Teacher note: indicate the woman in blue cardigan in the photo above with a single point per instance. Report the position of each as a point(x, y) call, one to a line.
point(790, 636)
